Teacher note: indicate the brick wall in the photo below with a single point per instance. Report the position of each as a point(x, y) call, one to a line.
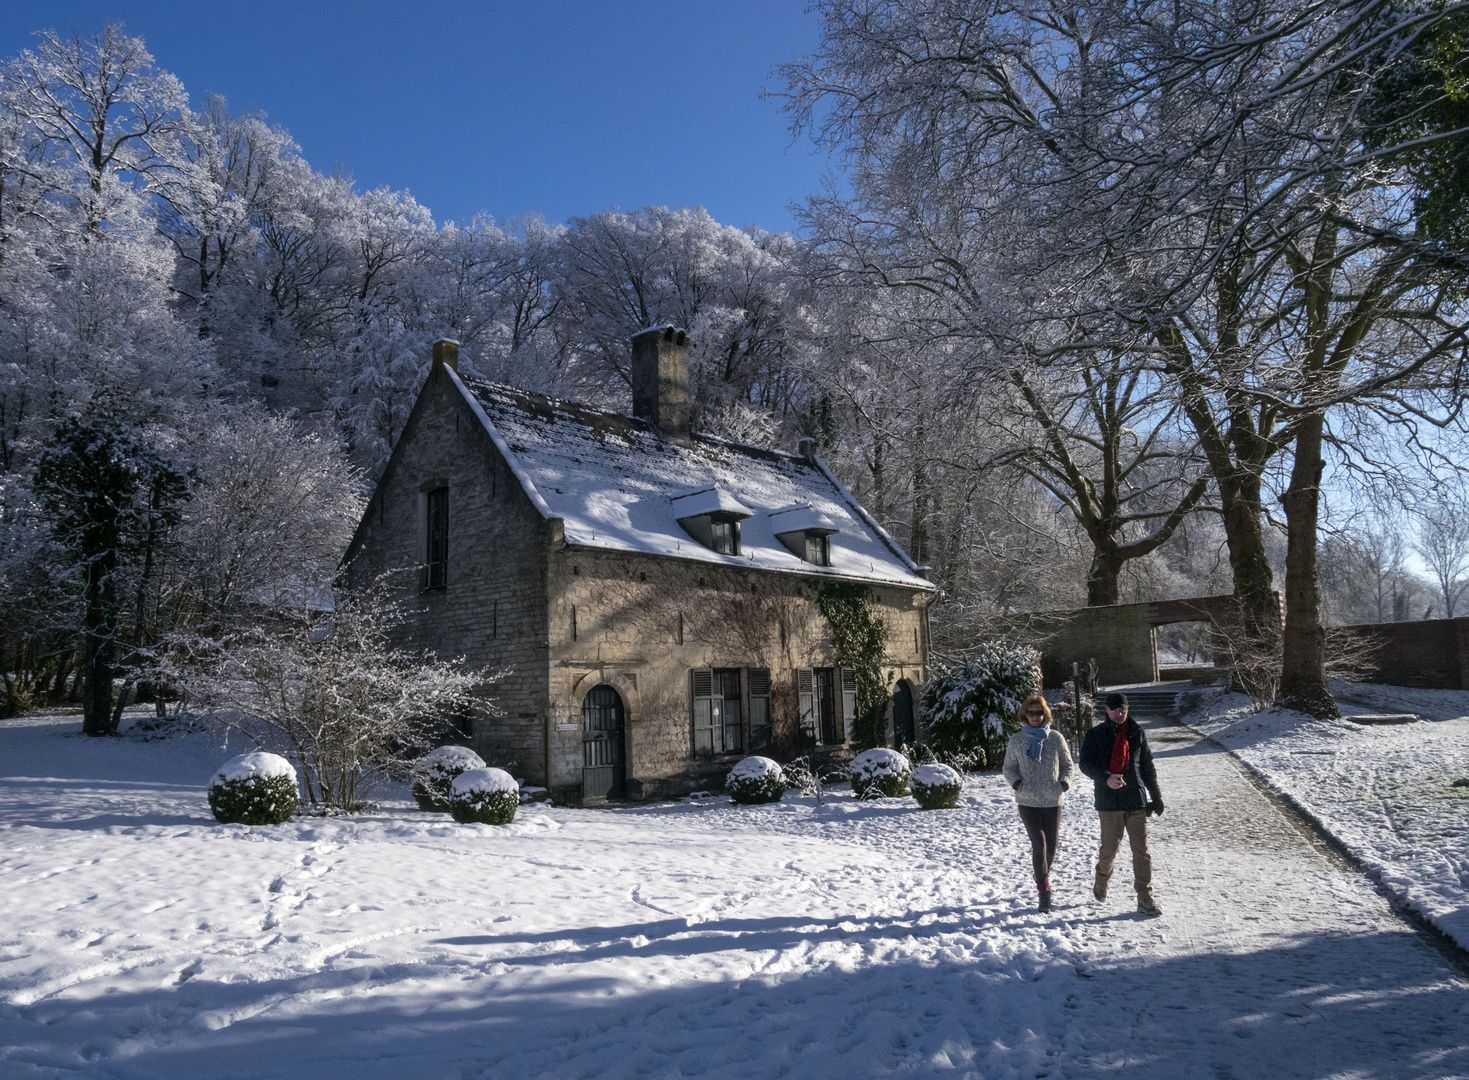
point(1432, 653)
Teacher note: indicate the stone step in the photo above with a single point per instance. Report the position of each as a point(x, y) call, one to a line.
point(1147, 700)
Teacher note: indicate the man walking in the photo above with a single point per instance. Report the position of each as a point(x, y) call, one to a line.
point(1116, 756)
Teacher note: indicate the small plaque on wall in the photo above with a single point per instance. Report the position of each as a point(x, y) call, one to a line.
point(568, 727)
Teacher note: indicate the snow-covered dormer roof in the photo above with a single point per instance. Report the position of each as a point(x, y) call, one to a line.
point(801, 517)
point(616, 485)
point(710, 499)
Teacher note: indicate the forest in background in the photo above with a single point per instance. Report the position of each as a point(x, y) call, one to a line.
point(1100, 272)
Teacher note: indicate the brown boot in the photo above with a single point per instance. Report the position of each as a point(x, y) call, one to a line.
point(1146, 905)
point(1099, 887)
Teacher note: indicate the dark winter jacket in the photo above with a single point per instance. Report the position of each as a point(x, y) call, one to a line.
point(1096, 761)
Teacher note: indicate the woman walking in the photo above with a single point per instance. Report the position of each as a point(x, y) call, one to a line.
point(1038, 766)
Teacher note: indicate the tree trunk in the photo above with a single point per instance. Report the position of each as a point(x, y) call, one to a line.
point(1102, 579)
point(1253, 577)
point(101, 616)
point(1303, 663)
point(97, 694)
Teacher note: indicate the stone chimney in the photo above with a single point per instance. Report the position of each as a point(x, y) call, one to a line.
point(660, 381)
point(446, 352)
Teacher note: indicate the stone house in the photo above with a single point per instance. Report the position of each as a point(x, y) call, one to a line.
point(647, 591)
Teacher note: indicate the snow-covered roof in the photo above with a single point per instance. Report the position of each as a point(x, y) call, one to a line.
point(613, 482)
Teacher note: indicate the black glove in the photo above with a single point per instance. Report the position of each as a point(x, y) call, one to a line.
point(1156, 806)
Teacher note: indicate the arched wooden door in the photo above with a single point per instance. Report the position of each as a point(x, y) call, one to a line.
point(604, 768)
point(904, 732)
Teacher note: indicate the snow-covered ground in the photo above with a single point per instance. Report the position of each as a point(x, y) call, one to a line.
point(140, 939)
point(1385, 792)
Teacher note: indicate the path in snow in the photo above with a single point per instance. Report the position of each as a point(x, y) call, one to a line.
point(1385, 793)
point(141, 940)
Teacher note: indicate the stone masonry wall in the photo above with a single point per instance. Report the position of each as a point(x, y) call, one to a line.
point(493, 609)
point(642, 622)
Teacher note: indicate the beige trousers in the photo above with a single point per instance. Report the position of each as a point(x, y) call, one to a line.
point(1135, 824)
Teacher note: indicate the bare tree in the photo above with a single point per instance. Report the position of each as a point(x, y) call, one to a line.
point(1443, 544)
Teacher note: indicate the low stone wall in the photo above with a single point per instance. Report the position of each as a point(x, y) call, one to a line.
point(1432, 653)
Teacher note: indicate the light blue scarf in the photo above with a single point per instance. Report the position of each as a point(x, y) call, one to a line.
point(1037, 737)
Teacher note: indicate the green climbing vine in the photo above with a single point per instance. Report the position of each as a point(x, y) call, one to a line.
point(861, 639)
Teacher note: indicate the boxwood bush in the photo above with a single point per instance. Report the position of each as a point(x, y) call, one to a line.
point(755, 780)
point(880, 772)
point(936, 786)
point(254, 789)
point(434, 773)
point(487, 796)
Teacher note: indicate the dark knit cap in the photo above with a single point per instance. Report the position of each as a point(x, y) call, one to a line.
point(1116, 701)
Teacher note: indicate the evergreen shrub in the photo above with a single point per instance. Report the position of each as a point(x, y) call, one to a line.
point(936, 787)
point(755, 780)
point(971, 707)
point(434, 773)
point(254, 789)
point(880, 772)
point(487, 796)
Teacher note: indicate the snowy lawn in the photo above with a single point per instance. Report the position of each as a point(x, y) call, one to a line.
point(140, 939)
point(1386, 792)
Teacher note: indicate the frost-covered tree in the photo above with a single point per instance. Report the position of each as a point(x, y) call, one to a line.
point(325, 689)
point(1443, 544)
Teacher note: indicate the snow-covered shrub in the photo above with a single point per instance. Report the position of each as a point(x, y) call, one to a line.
point(755, 780)
point(880, 772)
point(971, 708)
point(253, 789)
point(488, 796)
point(434, 773)
point(936, 787)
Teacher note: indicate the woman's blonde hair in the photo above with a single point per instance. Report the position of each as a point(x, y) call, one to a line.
point(1034, 699)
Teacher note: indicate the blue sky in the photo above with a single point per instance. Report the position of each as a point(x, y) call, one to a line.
point(563, 107)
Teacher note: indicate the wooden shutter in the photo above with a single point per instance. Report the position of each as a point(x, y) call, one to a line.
point(758, 680)
point(849, 702)
point(806, 699)
point(708, 712)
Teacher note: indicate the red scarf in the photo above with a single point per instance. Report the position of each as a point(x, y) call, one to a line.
point(1120, 749)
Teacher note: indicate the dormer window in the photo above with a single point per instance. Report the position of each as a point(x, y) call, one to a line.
point(712, 517)
point(805, 532)
point(818, 548)
point(725, 534)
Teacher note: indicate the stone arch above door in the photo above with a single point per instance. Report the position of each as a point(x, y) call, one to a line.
point(626, 685)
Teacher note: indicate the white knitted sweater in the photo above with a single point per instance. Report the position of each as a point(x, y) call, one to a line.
point(1040, 781)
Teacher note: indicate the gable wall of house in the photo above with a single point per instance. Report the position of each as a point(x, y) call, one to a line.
point(492, 610)
point(642, 622)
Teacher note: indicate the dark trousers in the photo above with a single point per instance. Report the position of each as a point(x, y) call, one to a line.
point(1043, 826)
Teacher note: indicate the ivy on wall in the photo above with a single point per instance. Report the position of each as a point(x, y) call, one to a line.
point(860, 638)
